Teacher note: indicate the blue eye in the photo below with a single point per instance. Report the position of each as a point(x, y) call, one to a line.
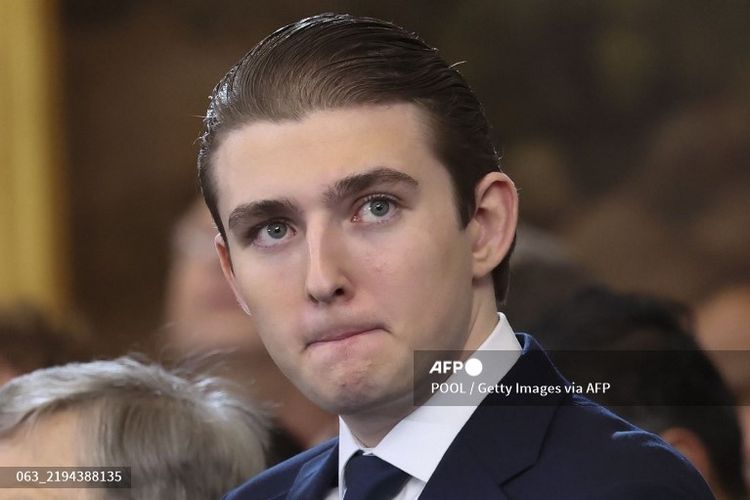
point(272, 234)
point(379, 208)
point(376, 209)
point(277, 230)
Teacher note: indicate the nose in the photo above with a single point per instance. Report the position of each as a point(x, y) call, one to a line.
point(327, 280)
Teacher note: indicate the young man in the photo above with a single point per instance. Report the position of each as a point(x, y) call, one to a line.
point(363, 220)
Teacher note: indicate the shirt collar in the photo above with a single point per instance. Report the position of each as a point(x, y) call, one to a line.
point(418, 442)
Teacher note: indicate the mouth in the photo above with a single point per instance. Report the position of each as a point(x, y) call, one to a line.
point(342, 333)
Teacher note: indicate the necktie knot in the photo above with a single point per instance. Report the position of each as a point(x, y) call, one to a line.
point(368, 477)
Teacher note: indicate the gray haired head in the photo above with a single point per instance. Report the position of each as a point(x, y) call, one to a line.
point(183, 437)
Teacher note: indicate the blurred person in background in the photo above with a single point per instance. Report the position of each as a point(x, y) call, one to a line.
point(183, 437)
point(544, 275)
point(723, 327)
point(654, 394)
point(204, 318)
point(30, 340)
point(201, 311)
point(683, 211)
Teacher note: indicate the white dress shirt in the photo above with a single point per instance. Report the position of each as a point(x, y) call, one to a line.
point(418, 442)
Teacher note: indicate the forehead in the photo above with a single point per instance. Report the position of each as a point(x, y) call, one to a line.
point(52, 440)
point(300, 158)
point(55, 440)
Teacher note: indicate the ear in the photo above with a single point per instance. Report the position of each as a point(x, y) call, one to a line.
point(691, 446)
point(493, 226)
point(226, 267)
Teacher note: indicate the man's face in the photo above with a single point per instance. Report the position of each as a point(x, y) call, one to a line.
point(346, 248)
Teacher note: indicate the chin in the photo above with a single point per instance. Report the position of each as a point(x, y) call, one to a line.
point(347, 399)
point(371, 400)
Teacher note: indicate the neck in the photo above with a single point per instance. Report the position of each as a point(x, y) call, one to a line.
point(483, 318)
point(371, 427)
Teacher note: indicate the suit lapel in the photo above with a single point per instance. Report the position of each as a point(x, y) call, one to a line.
point(503, 437)
point(317, 476)
point(461, 475)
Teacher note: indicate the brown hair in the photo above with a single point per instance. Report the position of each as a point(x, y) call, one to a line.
point(336, 60)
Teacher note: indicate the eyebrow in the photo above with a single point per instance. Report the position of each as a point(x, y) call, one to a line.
point(263, 209)
point(356, 183)
point(341, 189)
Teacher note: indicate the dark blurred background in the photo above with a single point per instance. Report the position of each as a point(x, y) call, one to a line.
point(625, 124)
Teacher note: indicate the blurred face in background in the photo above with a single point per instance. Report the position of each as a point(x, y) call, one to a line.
point(202, 312)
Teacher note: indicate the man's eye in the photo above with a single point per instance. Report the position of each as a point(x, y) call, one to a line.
point(376, 209)
point(272, 234)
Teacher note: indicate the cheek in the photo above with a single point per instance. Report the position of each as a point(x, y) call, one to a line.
point(416, 265)
point(270, 289)
point(264, 280)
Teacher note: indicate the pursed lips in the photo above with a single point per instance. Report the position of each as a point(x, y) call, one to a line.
point(341, 333)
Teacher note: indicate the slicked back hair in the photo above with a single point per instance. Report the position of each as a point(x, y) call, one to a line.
point(184, 438)
point(332, 61)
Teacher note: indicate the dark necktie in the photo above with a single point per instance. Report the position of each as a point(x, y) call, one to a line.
point(369, 478)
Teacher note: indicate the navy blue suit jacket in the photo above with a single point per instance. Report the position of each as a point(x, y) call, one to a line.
point(567, 448)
